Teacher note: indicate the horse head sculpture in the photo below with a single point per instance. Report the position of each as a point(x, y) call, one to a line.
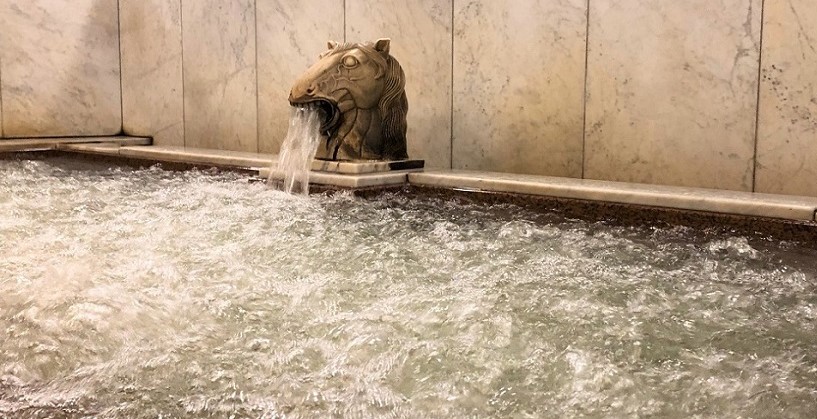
point(360, 90)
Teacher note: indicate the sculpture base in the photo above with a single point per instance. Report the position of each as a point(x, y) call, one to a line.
point(361, 167)
point(358, 174)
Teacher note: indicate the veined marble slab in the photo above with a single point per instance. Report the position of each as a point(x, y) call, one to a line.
point(696, 199)
point(787, 134)
point(104, 149)
point(672, 92)
point(519, 85)
point(356, 167)
point(219, 74)
point(1, 101)
point(291, 34)
point(199, 155)
point(36, 144)
point(152, 86)
point(59, 63)
point(221, 158)
point(352, 181)
point(420, 31)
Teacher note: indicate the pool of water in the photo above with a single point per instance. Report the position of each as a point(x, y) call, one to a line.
point(151, 293)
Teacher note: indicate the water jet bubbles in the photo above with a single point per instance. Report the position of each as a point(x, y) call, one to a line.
point(166, 301)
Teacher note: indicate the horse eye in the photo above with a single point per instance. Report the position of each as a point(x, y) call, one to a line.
point(350, 61)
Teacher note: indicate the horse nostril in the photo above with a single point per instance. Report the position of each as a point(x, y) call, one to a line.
point(310, 91)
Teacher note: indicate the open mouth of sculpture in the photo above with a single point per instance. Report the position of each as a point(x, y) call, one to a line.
point(329, 111)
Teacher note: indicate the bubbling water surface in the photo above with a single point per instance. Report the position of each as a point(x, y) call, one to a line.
point(149, 293)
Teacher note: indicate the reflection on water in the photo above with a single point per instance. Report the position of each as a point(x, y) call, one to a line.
point(159, 294)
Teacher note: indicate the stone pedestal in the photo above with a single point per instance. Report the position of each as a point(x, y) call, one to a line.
point(358, 174)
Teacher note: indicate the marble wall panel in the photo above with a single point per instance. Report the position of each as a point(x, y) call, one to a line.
point(1, 100)
point(152, 86)
point(421, 41)
point(519, 85)
point(787, 134)
point(672, 92)
point(220, 109)
point(291, 34)
point(60, 67)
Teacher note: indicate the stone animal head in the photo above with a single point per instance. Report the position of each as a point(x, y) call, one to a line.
point(360, 90)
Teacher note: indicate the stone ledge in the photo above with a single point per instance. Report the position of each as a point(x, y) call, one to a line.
point(41, 144)
point(361, 167)
point(177, 154)
point(366, 180)
point(695, 199)
point(254, 161)
point(200, 155)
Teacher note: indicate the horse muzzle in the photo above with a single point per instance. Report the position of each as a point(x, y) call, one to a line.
point(328, 107)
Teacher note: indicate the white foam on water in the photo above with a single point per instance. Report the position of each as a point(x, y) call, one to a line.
point(298, 149)
point(148, 293)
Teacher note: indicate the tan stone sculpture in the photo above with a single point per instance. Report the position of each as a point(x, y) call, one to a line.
point(360, 89)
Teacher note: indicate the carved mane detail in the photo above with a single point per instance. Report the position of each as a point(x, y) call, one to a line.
point(361, 89)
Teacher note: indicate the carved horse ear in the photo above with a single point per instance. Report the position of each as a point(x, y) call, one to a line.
point(332, 44)
point(383, 45)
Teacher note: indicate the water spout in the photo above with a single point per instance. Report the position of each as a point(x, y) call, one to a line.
point(298, 149)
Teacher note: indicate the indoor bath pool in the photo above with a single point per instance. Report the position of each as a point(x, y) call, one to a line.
point(152, 293)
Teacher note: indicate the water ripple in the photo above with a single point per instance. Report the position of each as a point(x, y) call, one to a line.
point(149, 293)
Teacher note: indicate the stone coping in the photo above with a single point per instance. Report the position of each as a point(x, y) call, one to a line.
point(178, 154)
point(786, 207)
point(352, 181)
point(235, 158)
point(360, 167)
point(260, 163)
point(41, 144)
point(693, 199)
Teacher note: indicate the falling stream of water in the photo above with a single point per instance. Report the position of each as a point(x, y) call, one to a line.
point(298, 150)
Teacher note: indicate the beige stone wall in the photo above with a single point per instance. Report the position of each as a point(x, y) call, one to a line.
point(152, 78)
point(59, 68)
point(695, 92)
point(787, 125)
point(518, 86)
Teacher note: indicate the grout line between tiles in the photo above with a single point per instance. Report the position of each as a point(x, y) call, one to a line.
point(121, 67)
point(451, 139)
point(2, 126)
point(184, 98)
point(257, 109)
point(757, 103)
point(584, 95)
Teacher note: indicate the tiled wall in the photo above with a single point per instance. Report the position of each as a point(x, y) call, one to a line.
point(696, 92)
point(787, 128)
point(518, 85)
point(152, 79)
point(59, 68)
point(672, 92)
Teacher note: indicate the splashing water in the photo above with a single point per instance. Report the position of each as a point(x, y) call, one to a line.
point(298, 149)
point(148, 293)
